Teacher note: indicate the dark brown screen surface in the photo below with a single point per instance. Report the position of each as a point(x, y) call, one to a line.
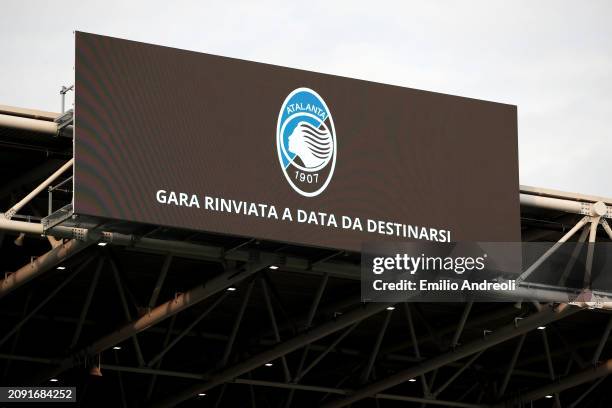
point(151, 118)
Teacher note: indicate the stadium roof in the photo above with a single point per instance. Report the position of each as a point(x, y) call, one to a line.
point(262, 323)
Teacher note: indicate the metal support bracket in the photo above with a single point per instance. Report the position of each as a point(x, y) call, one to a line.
point(56, 218)
point(585, 208)
point(65, 120)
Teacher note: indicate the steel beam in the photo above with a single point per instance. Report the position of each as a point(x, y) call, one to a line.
point(152, 371)
point(317, 299)
point(266, 342)
point(34, 174)
point(559, 204)
point(120, 381)
point(252, 392)
point(574, 257)
point(209, 252)
point(365, 376)
point(464, 316)
point(29, 124)
point(277, 338)
point(161, 313)
point(590, 252)
point(273, 384)
point(311, 315)
point(456, 374)
point(46, 300)
point(550, 203)
point(429, 401)
point(590, 374)
point(476, 321)
point(237, 322)
point(41, 265)
point(126, 310)
point(292, 386)
point(321, 356)
point(510, 368)
point(602, 342)
point(552, 249)
point(549, 362)
point(568, 365)
point(158, 363)
point(339, 391)
point(29, 113)
point(316, 333)
point(29, 359)
point(88, 298)
point(160, 280)
point(338, 269)
point(42, 186)
point(415, 346)
point(22, 227)
point(542, 318)
point(587, 392)
point(220, 396)
point(428, 327)
point(314, 347)
point(468, 391)
point(16, 338)
point(566, 350)
point(168, 347)
point(606, 228)
point(432, 378)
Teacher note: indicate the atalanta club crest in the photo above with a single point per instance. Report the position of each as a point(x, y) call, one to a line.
point(306, 142)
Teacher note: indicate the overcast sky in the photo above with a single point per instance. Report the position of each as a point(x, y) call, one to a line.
point(551, 58)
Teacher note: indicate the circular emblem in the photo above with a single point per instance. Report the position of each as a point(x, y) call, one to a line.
point(306, 142)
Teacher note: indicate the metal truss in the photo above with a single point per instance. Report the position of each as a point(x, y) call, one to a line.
point(243, 265)
point(276, 352)
point(542, 318)
point(158, 314)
